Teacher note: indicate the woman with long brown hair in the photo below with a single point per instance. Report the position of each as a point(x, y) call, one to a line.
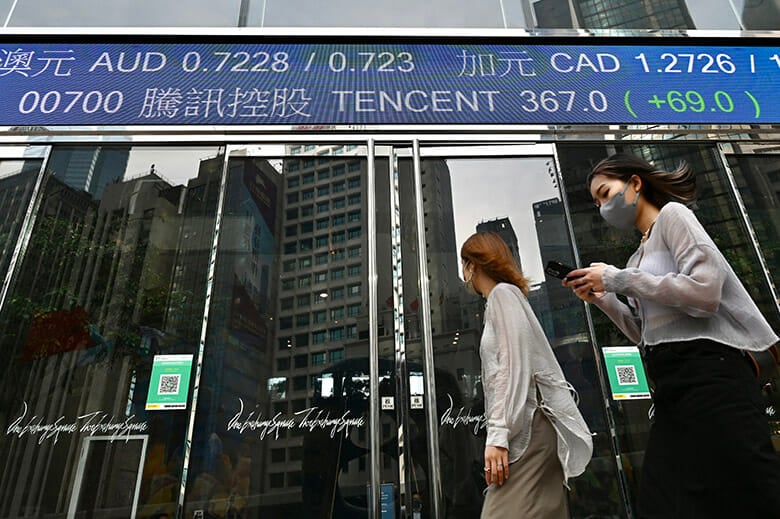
point(709, 453)
point(534, 429)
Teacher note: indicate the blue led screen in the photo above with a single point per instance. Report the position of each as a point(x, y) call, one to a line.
point(396, 83)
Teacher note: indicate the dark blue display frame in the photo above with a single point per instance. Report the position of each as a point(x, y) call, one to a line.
point(390, 81)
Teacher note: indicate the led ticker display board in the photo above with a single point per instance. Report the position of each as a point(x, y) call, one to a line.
point(395, 83)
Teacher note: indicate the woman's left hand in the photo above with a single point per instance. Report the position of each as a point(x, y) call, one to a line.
point(496, 465)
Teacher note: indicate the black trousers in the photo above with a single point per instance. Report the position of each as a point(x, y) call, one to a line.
point(709, 453)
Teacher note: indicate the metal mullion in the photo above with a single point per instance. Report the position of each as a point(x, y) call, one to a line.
point(373, 340)
point(427, 338)
point(203, 331)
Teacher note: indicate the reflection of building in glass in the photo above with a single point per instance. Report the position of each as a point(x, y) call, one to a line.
point(90, 168)
point(760, 15)
point(611, 14)
point(503, 227)
point(321, 299)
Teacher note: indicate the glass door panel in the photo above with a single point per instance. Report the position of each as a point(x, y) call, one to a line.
point(756, 174)
point(114, 276)
point(511, 190)
point(283, 411)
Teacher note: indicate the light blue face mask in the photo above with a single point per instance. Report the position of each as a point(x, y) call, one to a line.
point(617, 213)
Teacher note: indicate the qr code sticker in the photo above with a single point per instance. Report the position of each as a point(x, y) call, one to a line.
point(626, 375)
point(169, 385)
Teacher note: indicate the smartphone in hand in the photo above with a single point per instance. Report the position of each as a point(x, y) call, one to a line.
point(558, 269)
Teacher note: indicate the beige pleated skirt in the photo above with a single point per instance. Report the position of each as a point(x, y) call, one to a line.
point(535, 488)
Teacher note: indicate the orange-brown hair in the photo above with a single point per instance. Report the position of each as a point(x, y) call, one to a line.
point(490, 253)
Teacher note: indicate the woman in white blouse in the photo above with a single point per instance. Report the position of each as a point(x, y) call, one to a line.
point(709, 453)
point(520, 375)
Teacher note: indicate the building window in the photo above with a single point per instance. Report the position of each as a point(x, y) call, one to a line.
point(336, 314)
point(283, 364)
point(339, 219)
point(291, 230)
point(302, 320)
point(352, 183)
point(307, 227)
point(338, 187)
point(336, 355)
point(307, 195)
point(339, 236)
point(354, 290)
point(290, 248)
point(308, 178)
point(295, 150)
point(285, 323)
point(324, 174)
point(287, 303)
point(354, 199)
point(319, 337)
point(307, 210)
point(288, 266)
point(338, 254)
point(304, 300)
point(354, 233)
point(353, 310)
point(293, 182)
point(302, 339)
point(304, 281)
point(320, 316)
point(288, 284)
point(308, 163)
point(338, 170)
point(339, 203)
point(300, 383)
point(336, 334)
point(354, 216)
point(278, 455)
point(353, 166)
point(309, 147)
point(321, 259)
point(320, 277)
point(323, 191)
point(351, 331)
point(301, 361)
point(323, 207)
point(304, 263)
point(305, 244)
point(337, 293)
point(317, 359)
point(353, 270)
point(321, 241)
point(285, 343)
point(354, 252)
point(292, 198)
point(322, 223)
point(276, 480)
point(337, 273)
point(292, 214)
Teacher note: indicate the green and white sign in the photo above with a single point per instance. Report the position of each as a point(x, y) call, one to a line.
point(170, 382)
point(626, 373)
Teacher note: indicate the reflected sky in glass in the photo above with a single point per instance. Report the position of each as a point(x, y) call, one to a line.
point(486, 189)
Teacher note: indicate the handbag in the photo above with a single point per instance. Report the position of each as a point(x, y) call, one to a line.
point(764, 364)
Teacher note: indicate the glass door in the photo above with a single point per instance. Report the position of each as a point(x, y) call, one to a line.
point(298, 345)
point(445, 194)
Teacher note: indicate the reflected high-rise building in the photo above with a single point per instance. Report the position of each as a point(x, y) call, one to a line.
point(90, 168)
point(609, 14)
